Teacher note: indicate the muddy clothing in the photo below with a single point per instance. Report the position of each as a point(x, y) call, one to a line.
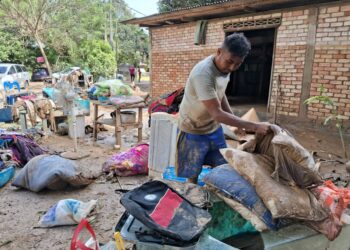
point(204, 83)
point(200, 137)
point(193, 151)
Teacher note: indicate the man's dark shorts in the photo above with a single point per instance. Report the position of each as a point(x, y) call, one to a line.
point(194, 151)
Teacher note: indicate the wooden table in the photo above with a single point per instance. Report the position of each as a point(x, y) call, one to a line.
point(119, 126)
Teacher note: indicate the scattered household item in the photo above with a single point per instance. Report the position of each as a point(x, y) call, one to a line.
point(129, 227)
point(6, 114)
point(166, 212)
point(112, 87)
point(6, 175)
point(230, 184)
point(117, 122)
point(91, 244)
point(162, 143)
point(68, 98)
point(49, 171)
point(226, 222)
point(168, 103)
point(75, 76)
point(128, 163)
point(282, 200)
point(67, 212)
point(120, 100)
point(170, 174)
point(23, 147)
point(336, 199)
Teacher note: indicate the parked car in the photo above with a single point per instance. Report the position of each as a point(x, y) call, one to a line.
point(14, 72)
point(40, 74)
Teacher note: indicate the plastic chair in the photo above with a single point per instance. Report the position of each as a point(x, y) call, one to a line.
point(8, 86)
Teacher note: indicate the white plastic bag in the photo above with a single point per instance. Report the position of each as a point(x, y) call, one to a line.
point(67, 212)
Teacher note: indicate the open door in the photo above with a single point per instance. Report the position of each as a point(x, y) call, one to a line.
point(250, 84)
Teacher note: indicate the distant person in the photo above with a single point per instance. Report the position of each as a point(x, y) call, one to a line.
point(140, 73)
point(132, 73)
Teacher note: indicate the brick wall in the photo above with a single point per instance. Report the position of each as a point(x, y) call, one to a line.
point(174, 55)
point(289, 61)
point(331, 66)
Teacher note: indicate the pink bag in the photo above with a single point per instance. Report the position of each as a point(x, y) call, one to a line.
point(131, 162)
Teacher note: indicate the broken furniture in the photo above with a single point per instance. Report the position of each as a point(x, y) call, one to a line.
point(117, 122)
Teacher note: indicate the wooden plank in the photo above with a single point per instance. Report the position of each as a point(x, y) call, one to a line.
point(139, 130)
point(95, 121)
point(309, 59)
point(118, 123)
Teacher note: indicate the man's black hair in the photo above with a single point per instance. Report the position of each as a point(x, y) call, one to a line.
point(237, 44)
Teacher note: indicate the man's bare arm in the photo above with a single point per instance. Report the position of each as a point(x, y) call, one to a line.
point(216, 111)
point(225, 105)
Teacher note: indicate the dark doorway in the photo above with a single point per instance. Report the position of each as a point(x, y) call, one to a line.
point(250, 84)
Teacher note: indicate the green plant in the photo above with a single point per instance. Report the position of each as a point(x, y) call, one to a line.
point(334, 116)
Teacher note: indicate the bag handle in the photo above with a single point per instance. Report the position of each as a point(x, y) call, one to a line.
point(76, 243)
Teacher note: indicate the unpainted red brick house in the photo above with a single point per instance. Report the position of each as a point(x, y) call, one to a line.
point(297, 46)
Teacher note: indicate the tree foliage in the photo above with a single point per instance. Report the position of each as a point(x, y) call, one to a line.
point(170, 5)
point(98, 56)
point(61, 30)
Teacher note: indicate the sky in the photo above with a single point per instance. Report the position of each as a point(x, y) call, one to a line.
point(147, 7)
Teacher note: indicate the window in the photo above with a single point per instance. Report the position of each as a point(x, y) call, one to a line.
point(3, 69)
point(12, 70)
point(18, 68)
point(24, 69)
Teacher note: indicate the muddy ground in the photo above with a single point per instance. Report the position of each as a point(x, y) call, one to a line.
point(20, 210)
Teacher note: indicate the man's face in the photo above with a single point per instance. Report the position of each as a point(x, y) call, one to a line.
point(227, 62)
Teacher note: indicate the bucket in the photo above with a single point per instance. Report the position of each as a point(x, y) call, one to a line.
point(83, 106)
point(128, 117)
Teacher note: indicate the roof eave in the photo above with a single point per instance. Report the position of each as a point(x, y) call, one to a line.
point(230, 8)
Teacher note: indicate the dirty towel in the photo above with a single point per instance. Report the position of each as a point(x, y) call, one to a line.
point(131, 162)
point(67, 212)
point(126, 100)
point(49, 171)
point(228, 182)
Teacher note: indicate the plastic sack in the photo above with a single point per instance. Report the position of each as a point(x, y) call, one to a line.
point(67, 212)
point(77, 244)
point(292, 162)
point(283, 201)
point(335, 199)
point(49, 171)
point(116, 87)
point(131, 162)
point(226, 181)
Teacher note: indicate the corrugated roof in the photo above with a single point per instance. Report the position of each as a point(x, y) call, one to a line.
point(195, 6)
point(221, 8)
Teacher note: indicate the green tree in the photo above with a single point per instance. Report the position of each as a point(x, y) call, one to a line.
point(32, 18)
point(98, 56)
